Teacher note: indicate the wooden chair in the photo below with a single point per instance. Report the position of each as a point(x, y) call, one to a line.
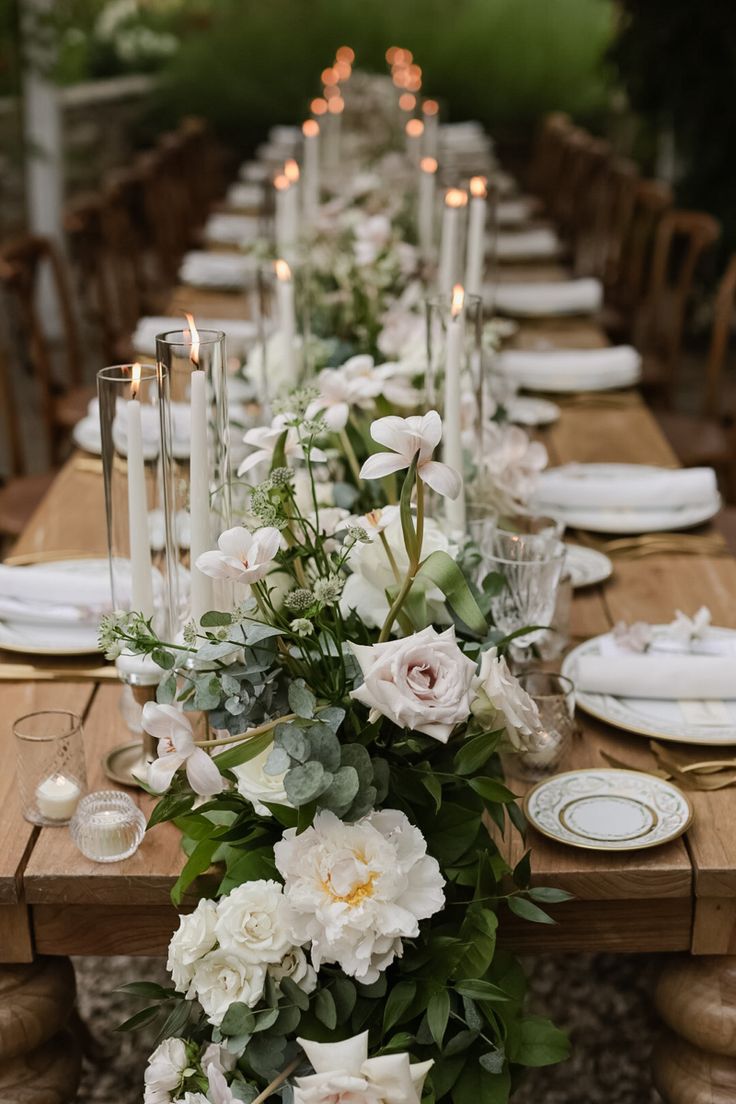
point(710, 437)
point(56, 366)
point(548, 150)
point(93, 271)
point(591, 199)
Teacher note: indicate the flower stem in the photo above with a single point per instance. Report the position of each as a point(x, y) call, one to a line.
point(411, 572)
point(390, 556)
point(279, 1080)
point(350, 454)
point(258, 731)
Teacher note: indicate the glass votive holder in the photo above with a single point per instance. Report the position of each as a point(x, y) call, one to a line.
point(555, 640)
point(554, 696)
point(51, 770)
point(108, 826)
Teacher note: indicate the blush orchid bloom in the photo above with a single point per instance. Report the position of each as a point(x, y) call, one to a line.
point(265, 439)
point(406, 437)
point(241, 556)
point(176, 748)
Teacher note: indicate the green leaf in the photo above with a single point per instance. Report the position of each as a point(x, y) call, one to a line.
point(523, 870)
point(528, 911)
point(478, 934)
point(170, 807)
point(438, 1013)
point(301, 700)
point(288, 1021)
point(345, 996)
point(475, 753)
point(407, 521)
point(242, 753)
point(537, 1042)
point(490, 789)
point(492, 1061)
point(215, 619)
point(306, 782)
point(266, 1019)
point(480, 990)
point(140, 1019)
point(443, 571)
point(398, 1001)
point(324, 1009)
point(292, 992)
point(433, 786)
point(146, 989)
point(325, 747)
point(238, 1020)
point(196, 864)
point(278, 457)
point(163, 658)
point(342, 791)
point(476, 1086)
point(460, 1042)
point(453, 831)
point(549, 894)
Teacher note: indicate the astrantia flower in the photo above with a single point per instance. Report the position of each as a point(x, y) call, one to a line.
point(176, 748)
point(164, 1072)
point(265, 439)
point(344, 1074)
point(356, 890)
point(222, 978)
point(251, 922)
point(405, 437)
point(420, 681)
point(242, 556)
point(500, 701)
point(191, 941)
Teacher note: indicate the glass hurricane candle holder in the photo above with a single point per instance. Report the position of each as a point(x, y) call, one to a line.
point(51, 770)
point(554, 696)
point(280, 361)
point(108, 826)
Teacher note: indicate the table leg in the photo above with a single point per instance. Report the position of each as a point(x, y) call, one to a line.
point(39, 1056)
point(695, 1061)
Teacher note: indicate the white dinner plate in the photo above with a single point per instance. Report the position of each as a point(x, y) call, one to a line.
point(587, 566)
point(527, 411)
point(608, 810)
point(51, 638)
point(653, 717)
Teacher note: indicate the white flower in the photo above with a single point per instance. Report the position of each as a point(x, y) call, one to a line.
point(219, 1058)
point(164, 1073)
point(251, 922)
point(344, 1074)
point(295, 965)
point(265, 439)
point(684, 630)
point(358, 383)
point(500, 700)
point(278, 367)
point(242, 556)
point(511, 464)
point(176, 748)
point(356, 890)
point(420, 681)
point(635, 637)
point(192, 1098)
point(374, 522)
point(405, 437)
point(254, 783)
point(194, 937)
point(372, 235)
point(221, 979)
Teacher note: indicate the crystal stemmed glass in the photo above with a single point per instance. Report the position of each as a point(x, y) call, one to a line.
point(531, 565)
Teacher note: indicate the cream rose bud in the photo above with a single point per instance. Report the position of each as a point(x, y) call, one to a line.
point(164, 1073)
point(251, 922)
point(501, 702)
point(294, 965)
point(194, 937)
point(257, 786)
point(420, 682)
point(223, 978)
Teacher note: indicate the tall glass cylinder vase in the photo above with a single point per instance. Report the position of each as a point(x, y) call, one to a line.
point(192, 369)
point(281, 360)
point(456, 387)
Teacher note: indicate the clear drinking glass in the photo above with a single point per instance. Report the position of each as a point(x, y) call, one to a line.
point(51, 770)
point(555, 699)
point(531, 566)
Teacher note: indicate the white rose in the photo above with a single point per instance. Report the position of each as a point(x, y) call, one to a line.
point(257, 786)
point(222, 979)
point(194, 937)
point(501, 701)
point(164, 1073)
point(421, 681)
point(344, 1073)
point(295, 965)
point(251, 922)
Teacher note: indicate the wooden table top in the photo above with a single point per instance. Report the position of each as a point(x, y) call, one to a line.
point(671, 898)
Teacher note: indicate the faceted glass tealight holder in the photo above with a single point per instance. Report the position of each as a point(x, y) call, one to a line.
point(108, 826)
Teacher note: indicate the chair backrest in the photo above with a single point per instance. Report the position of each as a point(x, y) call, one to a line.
point(123, 224)
point(615, 213)
point(92, 268)
point(13, 454)
point(723, 316)
point(586, 227)
point(652, 199)
point(547, 153)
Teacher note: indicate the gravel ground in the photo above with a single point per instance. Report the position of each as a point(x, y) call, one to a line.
point(602, 1000)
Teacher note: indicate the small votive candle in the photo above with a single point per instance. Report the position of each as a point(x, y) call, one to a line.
point(57, 798)
point(108, 826)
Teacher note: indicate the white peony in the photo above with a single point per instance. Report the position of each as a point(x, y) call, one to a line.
point(164, 1072)
point(194, 937)
point(251, 923)
point(501, 701)
point(344, 1074)
point(257, 786)
point(296, 966)
point(356, 890)
point(420, 681)
point(221, 979)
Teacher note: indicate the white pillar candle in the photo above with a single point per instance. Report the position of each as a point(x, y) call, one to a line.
point(333, 137)
point(200, 539)
point(57, 797)
point(414, 130)
point(281, 187)
point(430, 112)
point(425, 219)
point(292, 201)
point(452, 449)
point(475, 262)
point(311, 177)
point(141, 583)
point(287, 316)
point(447, 275)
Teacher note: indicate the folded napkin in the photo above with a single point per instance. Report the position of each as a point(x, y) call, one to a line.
point(254, 172)
point(51, 594)
point(241, 333)
point(513, 212)
point(637, 487)
point(232, 229)
point(245, 195)
point(540, 299)
point(201, 268)
point(670, 677)
point(287, 136)
point(521, 244)
point(572, 369)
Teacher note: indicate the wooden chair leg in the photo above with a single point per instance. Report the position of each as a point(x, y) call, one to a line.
point(695, 1060)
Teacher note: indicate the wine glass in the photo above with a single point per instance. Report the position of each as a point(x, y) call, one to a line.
point(531, 566)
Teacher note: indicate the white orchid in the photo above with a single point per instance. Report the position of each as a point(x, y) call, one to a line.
point(176, 748)
point(358, 382)
point(405, 437)
point(374, 522)
point(510, 465)
point(242, 556)
point(344, 1074)
point(265, 439)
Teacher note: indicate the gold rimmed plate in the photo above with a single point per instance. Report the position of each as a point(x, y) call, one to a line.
point(608, 810)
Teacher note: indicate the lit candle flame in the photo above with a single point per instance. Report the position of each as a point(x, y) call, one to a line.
point(414, 128)
point(135, 380)
point(194, 336)
point(458, 298)
point(335, 105)
point(428, 165)
point(283, 272)
point(407, 101)
point(291, 171)
point(430, 107)
point(455, 197)
point(478, 187)
point(343, 69)
point(390, 54)
point(346, 53)
point(281, 182)
point(310, 128)
point(330, 76)
point(318, 106)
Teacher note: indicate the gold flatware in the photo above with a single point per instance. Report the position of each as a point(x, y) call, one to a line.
point(29, 672)
point(23, 559)
point(708, 774)
point(712, 544)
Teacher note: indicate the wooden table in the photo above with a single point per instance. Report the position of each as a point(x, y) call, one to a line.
point(676, 898)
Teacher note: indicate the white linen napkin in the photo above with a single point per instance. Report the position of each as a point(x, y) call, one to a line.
point(514, 212)
point(577, 486)
point(577, 369)
point(54, 595)
point(541, 242)
point(254, 172)
point(232, 229)
point(668, 677)
point(241, 333)
point(547, 298)
point(245, 196)
point(201, 268)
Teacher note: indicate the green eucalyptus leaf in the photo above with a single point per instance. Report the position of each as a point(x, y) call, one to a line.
point(301, 699)
point(238, 1020)
point(163, 658)
point(358, 757)
point(215, 619)
point(306, 782)
point(324, 747)
point(292, 992)
point(292, 739)
point(342, 790)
